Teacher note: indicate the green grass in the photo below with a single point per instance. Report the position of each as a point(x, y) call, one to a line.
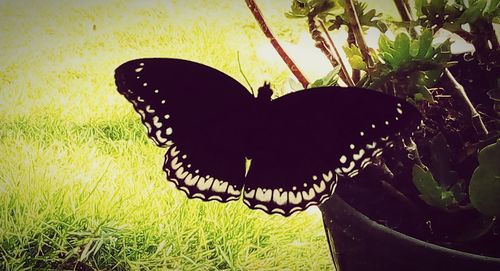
point(79, 180)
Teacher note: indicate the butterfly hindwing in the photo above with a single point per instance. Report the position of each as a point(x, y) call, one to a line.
point(313, 136)
point(198, 112)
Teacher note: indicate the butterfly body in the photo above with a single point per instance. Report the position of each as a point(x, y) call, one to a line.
point(298, 144)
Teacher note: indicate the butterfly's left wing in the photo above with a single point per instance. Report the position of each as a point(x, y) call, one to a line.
point(200, 113)
point(313, 136)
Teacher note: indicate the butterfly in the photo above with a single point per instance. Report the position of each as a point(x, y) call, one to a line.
point(281, 156)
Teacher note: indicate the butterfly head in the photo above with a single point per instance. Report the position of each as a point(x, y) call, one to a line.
point(265, 92)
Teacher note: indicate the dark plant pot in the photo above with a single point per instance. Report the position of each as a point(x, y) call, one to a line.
point(358, 243)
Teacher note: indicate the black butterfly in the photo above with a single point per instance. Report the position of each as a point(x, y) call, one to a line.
point(298, 144)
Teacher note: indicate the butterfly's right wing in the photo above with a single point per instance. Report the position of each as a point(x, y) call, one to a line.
point(310, 137)
point(199, 113)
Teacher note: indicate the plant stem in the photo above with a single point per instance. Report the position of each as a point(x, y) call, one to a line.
point(325, 49)
point(267, 32)
point(411, 149)
point(339, 58)
point(477, 122)
point(404, 12)
point(482, 33)
point(353, 21)
point(356, 74)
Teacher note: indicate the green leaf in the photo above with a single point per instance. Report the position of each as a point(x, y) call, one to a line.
point(390, 60)
point(473, 12)
point(425, 41)
point(437, 6)
point(484, 188)
point(441, 157)
point(443, 52)
point(476, 228)
point(384, 43)
point(328, 80)
point(354, 56)
point(431, 192)
point(414, 48)
point(418, 7)
point(425, 94)
point(402, 45)
point(419, 97)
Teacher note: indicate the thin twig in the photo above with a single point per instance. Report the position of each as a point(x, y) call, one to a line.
point(343, 69)
point(319, 41)
point(321, 44)
point(354, 23)
point(477, 122)
point(267, 32)
point(405, 13)
point(351, 40)
point(411, 149)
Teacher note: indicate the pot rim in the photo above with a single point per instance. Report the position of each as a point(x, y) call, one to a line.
point(352, 215)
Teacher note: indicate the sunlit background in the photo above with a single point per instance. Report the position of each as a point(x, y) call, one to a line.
point(80, 181)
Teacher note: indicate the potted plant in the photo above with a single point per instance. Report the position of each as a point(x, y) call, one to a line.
point(433, 200)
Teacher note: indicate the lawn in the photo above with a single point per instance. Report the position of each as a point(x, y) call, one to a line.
point(80, 183)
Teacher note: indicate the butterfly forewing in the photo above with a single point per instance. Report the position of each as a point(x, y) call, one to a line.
point(199, 113)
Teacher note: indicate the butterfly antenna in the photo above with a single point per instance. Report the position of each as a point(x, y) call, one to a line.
point(242, 73)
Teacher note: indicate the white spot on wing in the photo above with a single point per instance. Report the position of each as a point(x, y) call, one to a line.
point(279, 198)
point(181, 174)
point(174, 163)
point(159, 137)
point(190, 180)
point(320, 188)
point(294, 198)
point(156, 122)
point(264, 196)
point(233, 191)
point(219, 186)
point(328, 177)
point(250, 194)
point(348, 169)
point(204, 184)
point(308, 195)
point(371, 146)
point(358, 156)
point(343, 159)
point(149, 109)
